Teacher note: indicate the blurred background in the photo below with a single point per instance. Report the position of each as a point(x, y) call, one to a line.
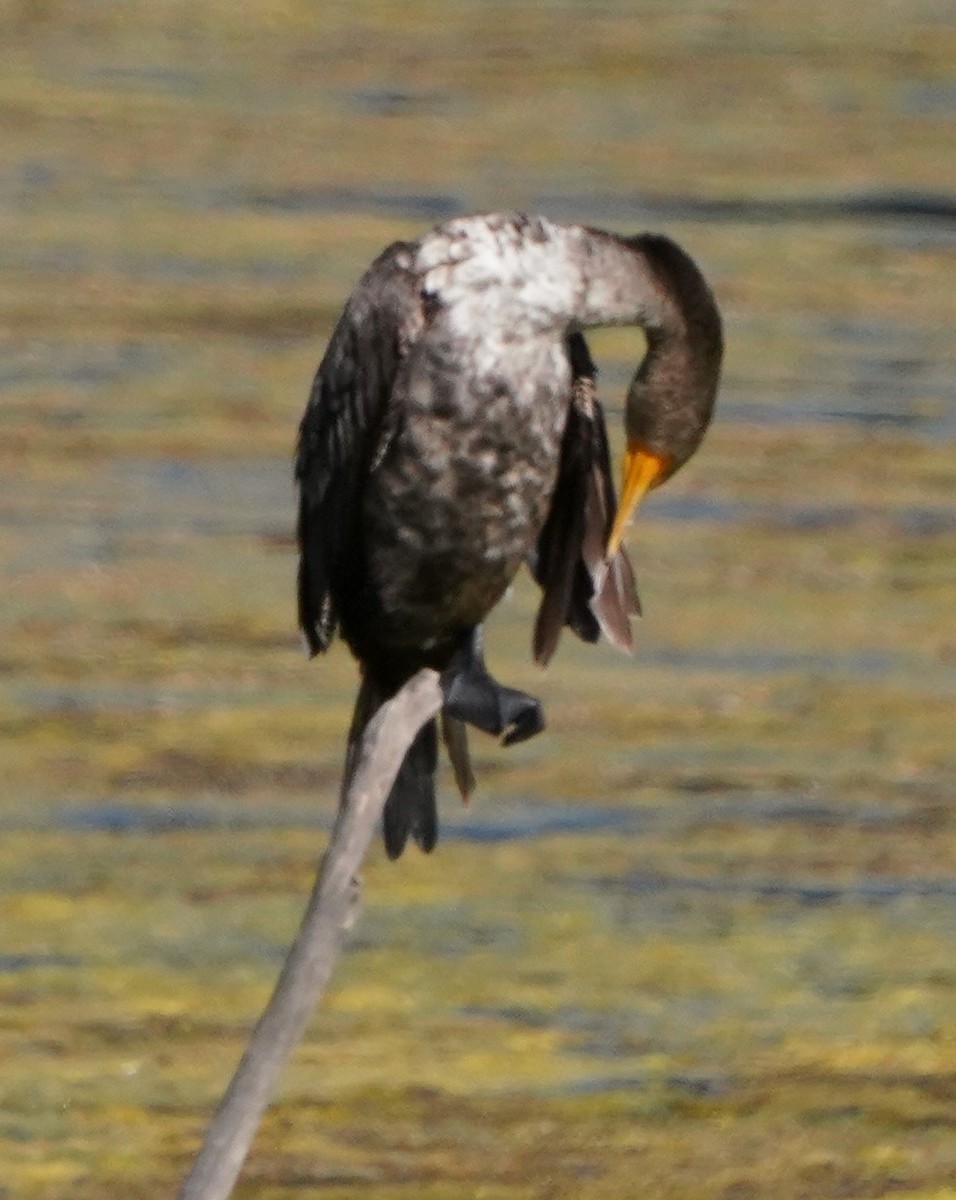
point(698, 939)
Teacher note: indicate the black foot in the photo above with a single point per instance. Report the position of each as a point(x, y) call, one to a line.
point(472, 695)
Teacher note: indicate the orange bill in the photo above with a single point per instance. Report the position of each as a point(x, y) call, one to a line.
point(642, 470)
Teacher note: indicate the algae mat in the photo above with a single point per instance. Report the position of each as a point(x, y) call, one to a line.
point(698, 939)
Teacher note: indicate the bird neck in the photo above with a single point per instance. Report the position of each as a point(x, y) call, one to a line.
point(650, 281)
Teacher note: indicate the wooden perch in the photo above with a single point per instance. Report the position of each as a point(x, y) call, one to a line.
point(309, 963)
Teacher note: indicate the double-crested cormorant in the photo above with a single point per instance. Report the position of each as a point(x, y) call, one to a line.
point(453, 432)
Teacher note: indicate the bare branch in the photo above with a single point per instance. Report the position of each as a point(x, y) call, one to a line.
point(309, 963)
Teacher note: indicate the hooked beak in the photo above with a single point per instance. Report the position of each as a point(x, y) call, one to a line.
point(643, 469)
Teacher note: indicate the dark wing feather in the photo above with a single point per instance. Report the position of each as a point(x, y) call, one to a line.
point(343, 430)
point(557, 565)
point(580, 588)
point(614, 598)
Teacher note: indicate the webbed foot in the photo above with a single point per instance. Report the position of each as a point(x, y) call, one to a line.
point(474, 696)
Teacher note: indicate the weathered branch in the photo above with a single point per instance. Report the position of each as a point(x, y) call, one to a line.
point(309, 963)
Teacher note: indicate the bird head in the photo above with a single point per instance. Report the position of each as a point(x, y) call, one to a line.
point(671, 399)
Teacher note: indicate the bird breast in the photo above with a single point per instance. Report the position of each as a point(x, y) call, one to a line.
point(463, 487)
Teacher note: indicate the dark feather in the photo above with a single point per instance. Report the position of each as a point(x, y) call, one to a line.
point(580, 589)
point(342, 432)
point(557, 560)
point(455, 736)
point(410, 808)
point(614, 597)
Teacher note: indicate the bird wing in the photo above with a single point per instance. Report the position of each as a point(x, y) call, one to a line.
point(581, 589)
point(345, 430)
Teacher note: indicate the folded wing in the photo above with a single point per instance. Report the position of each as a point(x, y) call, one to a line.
point(343, 430)
point(581, 589)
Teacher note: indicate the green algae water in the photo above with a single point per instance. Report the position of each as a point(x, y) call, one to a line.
point(696, 940)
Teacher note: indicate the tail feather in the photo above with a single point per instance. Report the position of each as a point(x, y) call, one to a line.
point(455, 736)
point(410, 809)
point(470, 695)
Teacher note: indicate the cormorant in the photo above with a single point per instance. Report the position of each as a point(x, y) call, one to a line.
point(453, 432)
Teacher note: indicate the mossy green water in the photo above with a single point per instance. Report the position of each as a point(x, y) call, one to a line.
point(695, 941)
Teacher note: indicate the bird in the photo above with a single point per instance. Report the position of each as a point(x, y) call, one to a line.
point(453, 433)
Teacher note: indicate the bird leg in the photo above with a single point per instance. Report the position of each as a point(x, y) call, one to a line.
point(472, 695)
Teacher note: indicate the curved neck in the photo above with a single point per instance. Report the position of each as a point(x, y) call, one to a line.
point(651, 282)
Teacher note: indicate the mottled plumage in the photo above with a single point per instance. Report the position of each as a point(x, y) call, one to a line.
point(453, 432)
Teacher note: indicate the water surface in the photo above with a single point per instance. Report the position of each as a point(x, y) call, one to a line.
point(701, 932)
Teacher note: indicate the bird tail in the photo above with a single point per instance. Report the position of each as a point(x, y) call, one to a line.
point(410, 809)
point(454, 734)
